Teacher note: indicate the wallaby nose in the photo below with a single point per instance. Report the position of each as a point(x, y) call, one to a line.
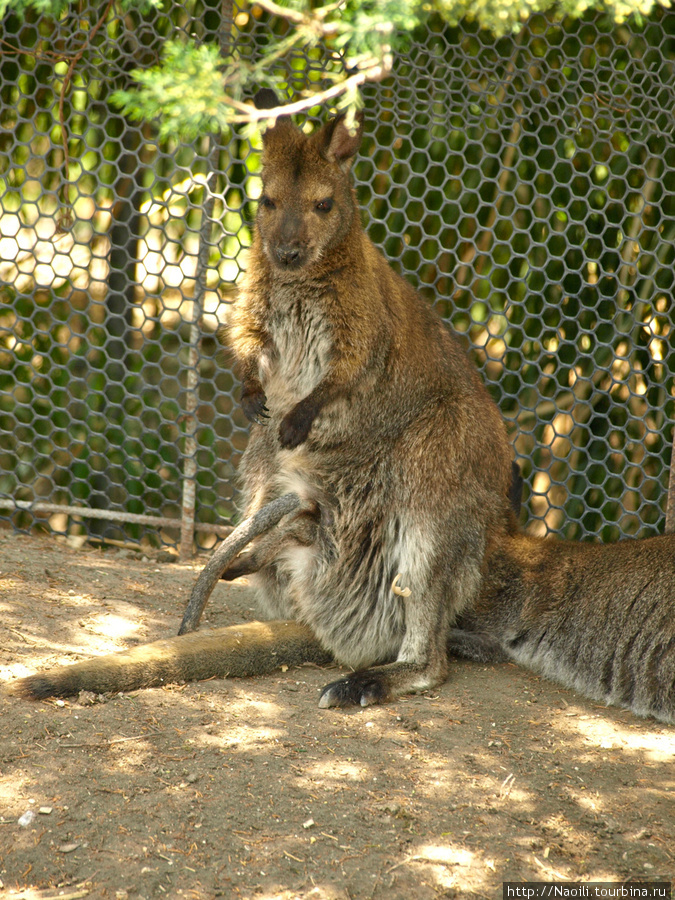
point(288, 254)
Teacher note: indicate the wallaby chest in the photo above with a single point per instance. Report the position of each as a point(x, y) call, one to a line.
point(296, 357)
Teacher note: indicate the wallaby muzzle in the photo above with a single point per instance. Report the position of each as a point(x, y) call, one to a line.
point(289, 256)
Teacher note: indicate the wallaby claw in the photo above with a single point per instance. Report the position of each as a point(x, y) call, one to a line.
point(262, 417)
point(253, 404)
point(359, 689)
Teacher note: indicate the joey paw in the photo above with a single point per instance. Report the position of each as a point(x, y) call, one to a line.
point(295, 426)
point(359, 689)
point(253, 401)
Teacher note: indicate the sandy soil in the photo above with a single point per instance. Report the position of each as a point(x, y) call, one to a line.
point(246, 789)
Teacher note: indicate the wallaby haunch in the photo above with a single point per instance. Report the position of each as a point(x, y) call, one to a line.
point(405, 549)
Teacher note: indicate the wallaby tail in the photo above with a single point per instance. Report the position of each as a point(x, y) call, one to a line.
point(237, 651)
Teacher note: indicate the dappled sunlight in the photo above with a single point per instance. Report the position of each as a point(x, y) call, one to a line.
point(332, 769)
point(111, 626)
point(44, 651)
point(600, 732)
point(450, 866)
point(57, 612)
point(11, 802)
point(447, 854)
point(54, 652)
point(244, 739)
point(93, 633)
point(499, 786)
point(33, 254)
point(497, 775)
point(248, 737)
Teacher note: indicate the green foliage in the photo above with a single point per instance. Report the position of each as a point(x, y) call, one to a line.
point(56, 8)
point(197, 90)
point(183, 94)
point(504, 16)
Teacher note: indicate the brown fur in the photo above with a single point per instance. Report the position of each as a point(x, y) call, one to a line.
point(365, 393)
point(256, 647)
point(367, 407)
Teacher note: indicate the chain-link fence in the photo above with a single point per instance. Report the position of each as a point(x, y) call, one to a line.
point(525, 185)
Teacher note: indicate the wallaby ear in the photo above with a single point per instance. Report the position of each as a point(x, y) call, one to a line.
point(341, 145)
point(266, 99)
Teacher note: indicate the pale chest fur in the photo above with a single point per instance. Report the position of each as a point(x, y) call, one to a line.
point(297, 358)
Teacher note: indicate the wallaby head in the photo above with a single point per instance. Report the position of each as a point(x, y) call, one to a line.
point(307, 207)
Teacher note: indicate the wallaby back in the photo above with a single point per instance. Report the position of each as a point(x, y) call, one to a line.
point(596, 618)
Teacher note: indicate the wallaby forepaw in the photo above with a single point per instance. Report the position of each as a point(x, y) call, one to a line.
point(253, 402)
point(359, 689)
point(295, 427)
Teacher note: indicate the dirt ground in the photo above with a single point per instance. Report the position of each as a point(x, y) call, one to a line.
point(246, 789)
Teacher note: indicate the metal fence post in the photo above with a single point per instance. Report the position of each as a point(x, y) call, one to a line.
point(194, 350)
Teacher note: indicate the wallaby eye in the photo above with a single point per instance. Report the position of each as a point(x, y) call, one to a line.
point(266, 202)
point(325, 205)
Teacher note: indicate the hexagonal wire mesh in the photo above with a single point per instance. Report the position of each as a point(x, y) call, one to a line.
point(524, 185)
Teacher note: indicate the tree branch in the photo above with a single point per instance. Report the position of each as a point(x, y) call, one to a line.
point(376, 72)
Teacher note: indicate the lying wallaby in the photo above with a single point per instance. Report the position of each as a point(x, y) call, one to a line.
point(366, 406)
point(597, 618)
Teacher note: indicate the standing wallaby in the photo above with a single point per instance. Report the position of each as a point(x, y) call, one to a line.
point(366, 407)
point(406, 548)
